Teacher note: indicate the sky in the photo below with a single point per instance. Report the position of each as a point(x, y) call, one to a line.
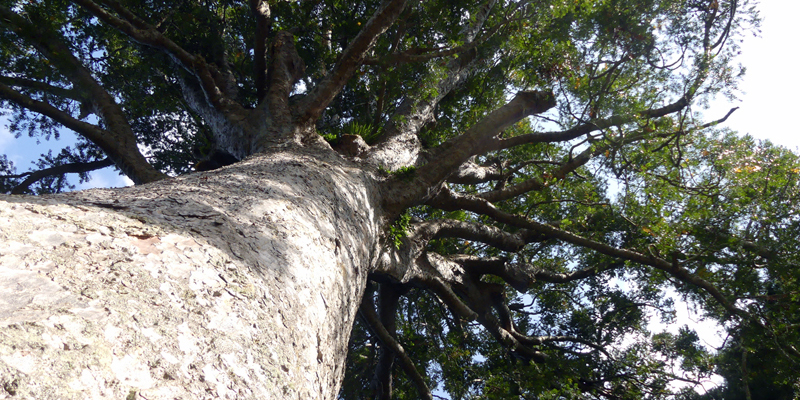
point(770, 86)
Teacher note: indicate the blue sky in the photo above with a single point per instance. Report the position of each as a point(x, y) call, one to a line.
point(24, 150)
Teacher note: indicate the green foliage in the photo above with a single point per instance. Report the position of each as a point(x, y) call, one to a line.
point(367, 131)
point(398, 229)
point(405, 173)
point(7, 169)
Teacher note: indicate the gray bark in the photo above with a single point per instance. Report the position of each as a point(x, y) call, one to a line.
point(238, 283)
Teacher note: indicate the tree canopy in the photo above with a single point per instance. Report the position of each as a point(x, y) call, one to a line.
point(549, 172)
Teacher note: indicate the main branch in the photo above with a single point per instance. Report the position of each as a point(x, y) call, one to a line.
point(311, 107)
point(448, 200)
point(452, 154)
point(142, 32)
point(118, 141)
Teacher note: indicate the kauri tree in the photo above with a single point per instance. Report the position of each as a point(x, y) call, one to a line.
point(377, 199)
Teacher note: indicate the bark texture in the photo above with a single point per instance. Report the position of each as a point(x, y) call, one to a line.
point(243, 283)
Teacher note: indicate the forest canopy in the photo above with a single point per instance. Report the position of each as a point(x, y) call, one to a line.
point(552, 179)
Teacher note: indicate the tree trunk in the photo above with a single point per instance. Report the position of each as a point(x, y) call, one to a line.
point(237, 283)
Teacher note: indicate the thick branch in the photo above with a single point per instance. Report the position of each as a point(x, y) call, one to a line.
point(448, 200)
point(426, 54)
point(388, 296)
point(398, 145)
point(581, 159)
point(470, 31)
point(286, 68)
point(522, 276)
point(469, 34)
point(582, 129)
point(74, 168)
point(87, 130)
point(584, 157)
point(221, 74)
point(536, 340)
point(416, 109)
point(130, 160)
point(457, 151)
point(261, 12)
point(399, 135)
point(509, 337)
point(368, 311)
point(447, 277)
point(311, 107)
point(471, 173)
point(512, 191)
point(420, 55)
point(119, 141)
point(442, 289)
point(42, 87)
point(147, 34)
point(442, 228)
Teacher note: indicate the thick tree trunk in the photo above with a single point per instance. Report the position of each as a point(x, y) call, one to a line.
point(237, 283)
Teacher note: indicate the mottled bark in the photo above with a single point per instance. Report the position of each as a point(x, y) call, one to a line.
point(240, 283)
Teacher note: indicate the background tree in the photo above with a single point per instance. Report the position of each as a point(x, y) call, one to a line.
point(502, 192)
